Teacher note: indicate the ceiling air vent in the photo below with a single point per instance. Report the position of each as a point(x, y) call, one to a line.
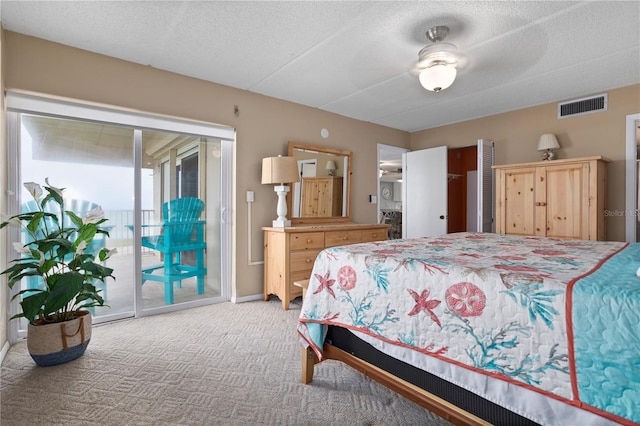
point(582, 106)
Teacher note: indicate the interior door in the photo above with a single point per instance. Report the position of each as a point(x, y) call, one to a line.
point(424, 173)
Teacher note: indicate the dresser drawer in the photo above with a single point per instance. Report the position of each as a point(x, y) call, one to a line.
point(379, 234)
point(341, 238)
point(306, 240)
point(302, 260)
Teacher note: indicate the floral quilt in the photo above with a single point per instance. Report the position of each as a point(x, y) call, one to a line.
point(496, 304)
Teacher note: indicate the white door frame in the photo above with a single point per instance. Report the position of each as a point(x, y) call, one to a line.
point(390, 148)
point(631, 173)
point(297, 186)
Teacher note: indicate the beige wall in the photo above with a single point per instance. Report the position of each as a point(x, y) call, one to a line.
point(516, 136)
point(264, 126)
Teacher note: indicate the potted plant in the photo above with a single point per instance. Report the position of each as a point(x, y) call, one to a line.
point(56, 254)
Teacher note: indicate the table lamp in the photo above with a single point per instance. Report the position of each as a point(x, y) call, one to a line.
point(279, 171)
point(548, 143)
point(331, 167)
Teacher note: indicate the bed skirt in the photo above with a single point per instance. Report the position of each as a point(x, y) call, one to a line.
point(463, 399)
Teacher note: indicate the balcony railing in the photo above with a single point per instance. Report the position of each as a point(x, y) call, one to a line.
point(121, 223)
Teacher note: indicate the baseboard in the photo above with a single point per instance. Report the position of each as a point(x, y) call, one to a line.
point(5, 349)
point(251, 298)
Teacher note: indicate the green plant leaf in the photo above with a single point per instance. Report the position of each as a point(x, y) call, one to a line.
point(97, 270)
point(54, 194)
point(87, 232)
point(19, 270)
point(32, 305)
point(77, 220)
point(34, 222)
point(63, 291)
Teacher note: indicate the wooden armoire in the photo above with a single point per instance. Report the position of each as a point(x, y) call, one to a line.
point(558, 198)
point(321, 196)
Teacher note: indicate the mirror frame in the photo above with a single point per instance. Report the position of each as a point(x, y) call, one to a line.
point(331, 219)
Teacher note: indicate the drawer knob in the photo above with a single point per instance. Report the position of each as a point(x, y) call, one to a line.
point(308, 260)
point(308, 240)
point(344, 238)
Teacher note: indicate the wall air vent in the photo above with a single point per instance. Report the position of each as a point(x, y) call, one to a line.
point(582, 106)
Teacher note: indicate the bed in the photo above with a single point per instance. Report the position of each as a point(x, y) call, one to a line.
point(483, 327)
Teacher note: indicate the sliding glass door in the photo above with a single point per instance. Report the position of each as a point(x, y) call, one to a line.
point(163, 191)
point(186, 170)
point(94, 163)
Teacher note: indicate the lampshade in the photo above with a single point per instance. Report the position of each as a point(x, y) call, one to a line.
point(279, 170)
point(548, 141)
point(331, 165)
point(438, 76)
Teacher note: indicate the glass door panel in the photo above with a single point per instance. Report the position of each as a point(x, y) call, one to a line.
point(180, 228)
point(94, 162)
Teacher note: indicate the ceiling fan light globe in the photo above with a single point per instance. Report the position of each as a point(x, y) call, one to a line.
point(438, 77)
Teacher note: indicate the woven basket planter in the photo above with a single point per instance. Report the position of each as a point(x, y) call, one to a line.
point(57, 343)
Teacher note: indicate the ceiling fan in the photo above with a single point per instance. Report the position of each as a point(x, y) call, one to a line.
point(437, 62)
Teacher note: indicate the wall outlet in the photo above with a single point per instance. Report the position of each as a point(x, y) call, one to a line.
point(250, 197)
point(373, 199)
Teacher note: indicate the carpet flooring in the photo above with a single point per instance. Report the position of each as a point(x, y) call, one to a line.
point(224, 364)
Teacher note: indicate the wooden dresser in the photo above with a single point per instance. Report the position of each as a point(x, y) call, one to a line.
point(558, 198)
point(289, 253)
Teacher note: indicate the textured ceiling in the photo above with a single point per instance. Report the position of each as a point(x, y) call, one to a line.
point(357, 59)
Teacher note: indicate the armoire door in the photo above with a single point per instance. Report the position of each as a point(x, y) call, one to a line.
point(562, 204)
point(517, 194)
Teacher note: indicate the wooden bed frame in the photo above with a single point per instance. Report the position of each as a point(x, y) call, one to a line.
point(448, 401)
point(421, 397)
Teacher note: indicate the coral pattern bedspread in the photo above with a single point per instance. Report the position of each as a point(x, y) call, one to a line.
point(556, 316)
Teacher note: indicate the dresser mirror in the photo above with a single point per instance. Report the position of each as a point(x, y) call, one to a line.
point(324, 192)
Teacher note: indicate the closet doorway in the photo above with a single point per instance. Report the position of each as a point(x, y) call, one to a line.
point(462, 189)
point(448, 190)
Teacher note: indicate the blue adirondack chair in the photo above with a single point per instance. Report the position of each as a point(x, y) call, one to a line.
point(79, 207)
point(181, 230)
